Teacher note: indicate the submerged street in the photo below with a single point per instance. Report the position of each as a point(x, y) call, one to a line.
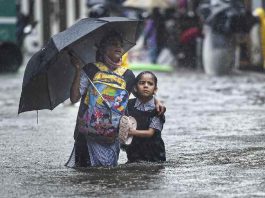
point(214, 137)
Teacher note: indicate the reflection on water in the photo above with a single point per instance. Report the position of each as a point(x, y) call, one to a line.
point(97, 181)
point(129, 176)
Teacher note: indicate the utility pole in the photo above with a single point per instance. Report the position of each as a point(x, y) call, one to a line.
point(77, 9)
point(46, 10)
point(63, 15)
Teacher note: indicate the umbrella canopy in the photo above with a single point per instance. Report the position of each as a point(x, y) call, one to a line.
point(146, 4)
point(49, 73)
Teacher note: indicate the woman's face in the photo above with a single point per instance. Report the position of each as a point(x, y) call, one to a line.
point(114, 49)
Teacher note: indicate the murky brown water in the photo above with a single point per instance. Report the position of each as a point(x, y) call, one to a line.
point(214, 136)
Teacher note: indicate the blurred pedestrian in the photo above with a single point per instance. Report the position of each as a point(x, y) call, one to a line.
point(155, 34)
point(147, 143)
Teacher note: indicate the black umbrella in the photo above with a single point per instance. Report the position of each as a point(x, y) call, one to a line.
point(49, 73)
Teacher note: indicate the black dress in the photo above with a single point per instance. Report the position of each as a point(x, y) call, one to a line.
point(150, 149)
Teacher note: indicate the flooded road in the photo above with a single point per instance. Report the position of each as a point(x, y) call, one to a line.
point(214, 136)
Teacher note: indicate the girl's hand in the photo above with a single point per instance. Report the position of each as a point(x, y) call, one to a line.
point(160, 107)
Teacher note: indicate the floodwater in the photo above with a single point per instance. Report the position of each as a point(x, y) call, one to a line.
point(214, 136)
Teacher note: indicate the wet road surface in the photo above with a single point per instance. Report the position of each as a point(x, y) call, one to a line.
point(214, 136)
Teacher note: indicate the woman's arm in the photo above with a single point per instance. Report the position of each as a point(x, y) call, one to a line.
point(142, 133)
point(75, 92)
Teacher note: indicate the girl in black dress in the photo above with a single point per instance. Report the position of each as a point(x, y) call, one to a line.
point(147, 144)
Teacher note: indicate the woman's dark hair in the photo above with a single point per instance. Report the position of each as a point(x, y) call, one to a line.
point(138, 78)
point(104, 42)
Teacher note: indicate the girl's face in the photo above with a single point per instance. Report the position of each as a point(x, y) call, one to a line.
point(114, 49)
point(146, 86)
